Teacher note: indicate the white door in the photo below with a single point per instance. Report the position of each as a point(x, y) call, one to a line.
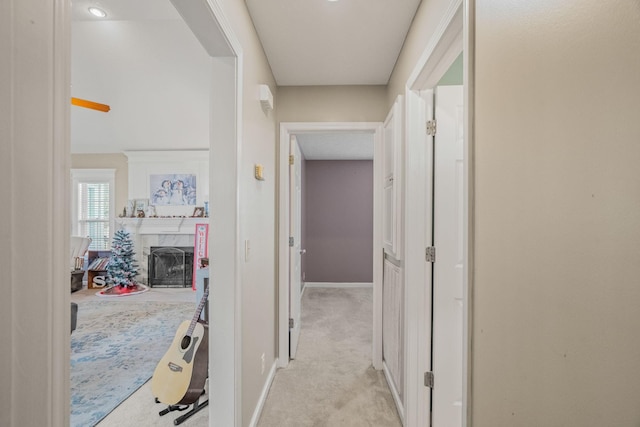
point(448, 266)
point(295, 250)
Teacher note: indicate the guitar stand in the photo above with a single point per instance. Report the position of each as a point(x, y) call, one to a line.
point(196, 407)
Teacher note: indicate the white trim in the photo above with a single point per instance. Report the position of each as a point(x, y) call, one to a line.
point(93, 175)
point(286, 130)
point(263, 396)
point(469, 212)
point(225, 359)
point(437, 55)
point(378, 251)
point(416, 274)
point(165, 156)
point(394, 392)
point(338, 285)
point(58, 406)
point(443, 48)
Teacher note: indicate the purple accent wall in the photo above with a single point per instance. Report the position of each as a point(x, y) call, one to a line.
point(338, 221)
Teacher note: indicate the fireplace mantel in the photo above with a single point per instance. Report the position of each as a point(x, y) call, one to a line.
point(178, 225)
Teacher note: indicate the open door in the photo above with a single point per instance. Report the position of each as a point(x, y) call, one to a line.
point(448, 214)
point(295, 249)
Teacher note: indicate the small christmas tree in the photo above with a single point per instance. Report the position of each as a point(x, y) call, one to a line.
point(121, 270)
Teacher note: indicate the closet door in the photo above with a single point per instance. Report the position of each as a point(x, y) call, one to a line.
point(392, 143)
point(393, 325)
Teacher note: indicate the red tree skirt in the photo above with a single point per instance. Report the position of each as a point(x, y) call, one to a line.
point(122, 291)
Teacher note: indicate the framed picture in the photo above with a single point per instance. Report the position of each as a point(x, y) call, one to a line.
point(198, 212)
point(141, 205)
point(130, 210)
point(172, 189)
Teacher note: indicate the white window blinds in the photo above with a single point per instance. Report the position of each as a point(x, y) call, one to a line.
point(94, 213)
point(93, 205)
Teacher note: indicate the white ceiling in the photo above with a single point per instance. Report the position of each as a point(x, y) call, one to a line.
point(124, 10)
point(145, 63)
point(321, 42)
point(336, 146)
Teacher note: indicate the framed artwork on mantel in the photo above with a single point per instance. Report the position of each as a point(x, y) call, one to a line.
point(172, 189)
point(141, 206)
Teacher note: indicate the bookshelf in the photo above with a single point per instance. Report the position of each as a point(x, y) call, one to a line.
point(97, 266)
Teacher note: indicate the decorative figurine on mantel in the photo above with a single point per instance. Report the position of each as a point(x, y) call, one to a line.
point(121, 270)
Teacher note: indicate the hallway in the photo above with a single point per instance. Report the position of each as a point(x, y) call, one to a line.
point(331, 382)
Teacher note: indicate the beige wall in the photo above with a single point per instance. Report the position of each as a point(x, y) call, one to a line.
point(423, 27)
point(557, 295)
point(257, 214)
point(107, 161)
point(331, 103)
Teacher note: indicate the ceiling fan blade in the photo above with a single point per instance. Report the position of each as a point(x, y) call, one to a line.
point(90, 104)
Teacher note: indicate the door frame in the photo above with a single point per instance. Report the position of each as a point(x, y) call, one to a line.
point(453, 35)
point(209, 23)
point(292, 128)
point(295, 249)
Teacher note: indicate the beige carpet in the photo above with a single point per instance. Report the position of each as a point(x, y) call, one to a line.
point(331, 382)
point(140, 409)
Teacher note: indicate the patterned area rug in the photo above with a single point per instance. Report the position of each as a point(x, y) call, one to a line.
point(114, 351)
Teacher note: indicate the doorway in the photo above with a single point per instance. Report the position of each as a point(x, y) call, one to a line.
point(436, 339)
point(207, 21)
point(448, 260)
point(287, 308)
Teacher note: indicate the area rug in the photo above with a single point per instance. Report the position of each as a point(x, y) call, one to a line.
point(114, 351)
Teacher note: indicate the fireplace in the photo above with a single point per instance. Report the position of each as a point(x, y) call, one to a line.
point(170, 266)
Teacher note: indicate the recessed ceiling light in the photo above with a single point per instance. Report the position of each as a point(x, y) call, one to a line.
point(97, 12)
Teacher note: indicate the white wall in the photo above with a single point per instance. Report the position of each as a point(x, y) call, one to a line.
point(143, 164)
point(153, 74)
point(117, 161)
point(556, 310)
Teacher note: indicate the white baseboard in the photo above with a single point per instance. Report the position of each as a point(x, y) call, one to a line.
point(338, 285)
point(394, 391)
point(263, 396)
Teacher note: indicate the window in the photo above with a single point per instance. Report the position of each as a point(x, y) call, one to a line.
point(93, 205)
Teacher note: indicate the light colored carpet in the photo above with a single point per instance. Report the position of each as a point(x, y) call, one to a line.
point(114, 351)
point(332, 382)
point(139, 409)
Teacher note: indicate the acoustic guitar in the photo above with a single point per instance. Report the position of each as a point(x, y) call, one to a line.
point(181, 374)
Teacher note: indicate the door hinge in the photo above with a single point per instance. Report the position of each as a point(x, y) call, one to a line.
point(290, 323)
point(430, 254)
point(428, 379)
point(291, 159)
point(290, 241)
point(431, 127)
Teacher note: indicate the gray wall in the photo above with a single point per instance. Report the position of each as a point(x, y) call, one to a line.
point(338, 202)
